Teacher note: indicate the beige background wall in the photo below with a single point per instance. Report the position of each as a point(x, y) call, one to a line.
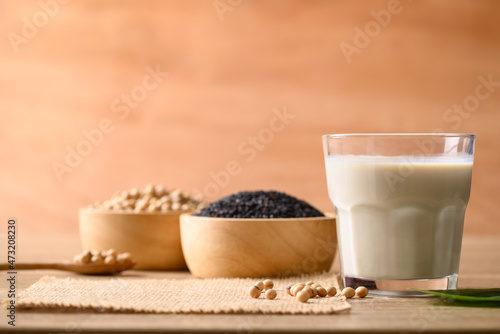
point(225, 79)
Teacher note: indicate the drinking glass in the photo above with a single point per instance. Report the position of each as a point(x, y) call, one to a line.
point(400, 202)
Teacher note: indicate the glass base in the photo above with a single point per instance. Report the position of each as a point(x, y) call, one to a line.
point(402, 287)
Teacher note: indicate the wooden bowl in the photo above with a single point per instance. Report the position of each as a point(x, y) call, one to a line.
point(153, 239)
point(225, 247)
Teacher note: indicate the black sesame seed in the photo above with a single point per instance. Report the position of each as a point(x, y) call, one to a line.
point(259, 204)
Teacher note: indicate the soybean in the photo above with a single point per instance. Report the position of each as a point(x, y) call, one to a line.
point(361, 292)
point(309, 290)
point(331, 291)
point(260, 285)
point(296, 288)
point(268, 284)
point(110, 259)
point(348, 292)
point(77, 259)
point(303, 296)
point(86, 256)
point(254, 291)
point(149, 199)
point(321, 291)
point(99, 257)
point(271, 294)
point(124, 258)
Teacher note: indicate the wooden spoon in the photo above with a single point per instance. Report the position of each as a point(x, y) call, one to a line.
point(85, 269)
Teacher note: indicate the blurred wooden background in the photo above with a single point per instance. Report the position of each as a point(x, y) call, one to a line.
point(230, 64)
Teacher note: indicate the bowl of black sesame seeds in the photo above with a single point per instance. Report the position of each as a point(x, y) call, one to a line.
point(258, 234)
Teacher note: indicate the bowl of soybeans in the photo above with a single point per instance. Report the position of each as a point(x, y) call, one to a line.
point(258, 234)
point(141, 221)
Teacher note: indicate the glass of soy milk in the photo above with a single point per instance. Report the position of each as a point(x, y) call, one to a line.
point(400, 202)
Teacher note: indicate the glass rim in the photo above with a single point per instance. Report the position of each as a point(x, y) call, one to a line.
point(401, 134)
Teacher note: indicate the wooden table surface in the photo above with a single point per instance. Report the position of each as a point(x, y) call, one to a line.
point(480, 268)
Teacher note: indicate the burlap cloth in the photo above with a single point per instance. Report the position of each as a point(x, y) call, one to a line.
point(134, 295)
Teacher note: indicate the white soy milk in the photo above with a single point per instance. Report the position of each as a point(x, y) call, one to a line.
point(398, 217)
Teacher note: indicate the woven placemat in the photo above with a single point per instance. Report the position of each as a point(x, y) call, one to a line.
point(133, 295)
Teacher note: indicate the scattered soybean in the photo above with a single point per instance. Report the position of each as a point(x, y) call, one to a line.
point(348, 292)
point(331, 291)
point(361, 292)
point(303, 296)
point(254, 291)
point(271, 294)
point(268, 284)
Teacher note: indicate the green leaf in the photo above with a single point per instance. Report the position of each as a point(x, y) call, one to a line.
point(467, 295)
